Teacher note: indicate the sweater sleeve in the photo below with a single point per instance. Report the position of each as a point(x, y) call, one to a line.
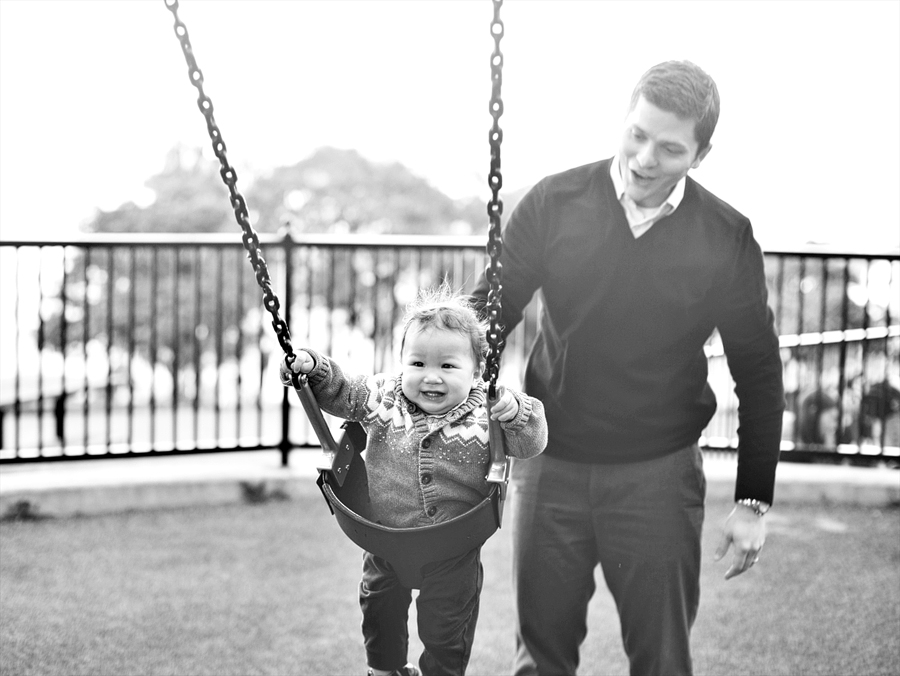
point(348, 397)
point(746, 325)
point(526, 434)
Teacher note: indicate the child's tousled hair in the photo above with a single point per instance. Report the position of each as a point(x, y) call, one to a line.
point(443, 308)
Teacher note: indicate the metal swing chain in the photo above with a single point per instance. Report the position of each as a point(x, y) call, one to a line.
point(229, 176)
point(251, 240)
point(493, 307)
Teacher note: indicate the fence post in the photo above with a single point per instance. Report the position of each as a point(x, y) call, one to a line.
point(287, 246)
point(59, 411)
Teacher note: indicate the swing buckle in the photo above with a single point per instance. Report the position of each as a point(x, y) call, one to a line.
point(498, 473)
point(336, 460)
point(336, 457)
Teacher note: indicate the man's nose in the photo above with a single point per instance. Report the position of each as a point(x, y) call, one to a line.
point(646, 156)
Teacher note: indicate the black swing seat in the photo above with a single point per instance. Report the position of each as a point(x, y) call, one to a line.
point(408, 550)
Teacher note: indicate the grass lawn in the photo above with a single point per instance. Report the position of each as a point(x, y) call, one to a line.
point(271, 589)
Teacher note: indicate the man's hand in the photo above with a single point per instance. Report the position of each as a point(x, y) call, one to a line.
point(747, 532)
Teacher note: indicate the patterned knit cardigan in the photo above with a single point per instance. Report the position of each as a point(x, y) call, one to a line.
point(420, 476)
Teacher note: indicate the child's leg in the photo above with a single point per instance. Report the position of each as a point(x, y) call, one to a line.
point(447, 608)
point(385, 609)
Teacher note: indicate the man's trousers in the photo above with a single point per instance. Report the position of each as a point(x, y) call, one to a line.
point(642, 522)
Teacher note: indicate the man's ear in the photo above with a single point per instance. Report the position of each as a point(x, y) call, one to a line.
point(701, 156)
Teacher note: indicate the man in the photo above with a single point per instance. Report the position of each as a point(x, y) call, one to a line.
point(637, 265)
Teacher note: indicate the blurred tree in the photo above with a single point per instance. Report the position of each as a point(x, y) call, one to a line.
point(340, 191)
point(189, 197)
point(176, 305)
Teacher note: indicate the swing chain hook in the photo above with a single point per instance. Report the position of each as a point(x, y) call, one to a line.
point(493, 307)
point(229, 176)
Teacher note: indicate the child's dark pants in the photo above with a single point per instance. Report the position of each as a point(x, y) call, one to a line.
point(447, 611)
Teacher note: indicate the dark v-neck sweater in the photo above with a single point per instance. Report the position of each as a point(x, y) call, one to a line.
point(619, 361)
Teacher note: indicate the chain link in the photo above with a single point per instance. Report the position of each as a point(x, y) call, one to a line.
point(229, 176)
point(493, 307)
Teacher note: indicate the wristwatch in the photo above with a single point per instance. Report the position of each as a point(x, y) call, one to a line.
point(758, 506)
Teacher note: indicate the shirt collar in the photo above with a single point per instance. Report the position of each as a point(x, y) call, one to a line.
point(673, 200)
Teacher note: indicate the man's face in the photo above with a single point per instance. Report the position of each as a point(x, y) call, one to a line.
point(658, 149)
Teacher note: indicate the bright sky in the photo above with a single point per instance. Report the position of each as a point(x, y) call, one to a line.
point(94, 93)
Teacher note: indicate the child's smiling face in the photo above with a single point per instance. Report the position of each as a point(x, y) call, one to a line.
point(439, 368)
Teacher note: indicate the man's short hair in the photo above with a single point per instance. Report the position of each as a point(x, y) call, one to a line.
point(683, 88)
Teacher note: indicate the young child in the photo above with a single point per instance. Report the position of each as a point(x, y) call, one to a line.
point(427, 456)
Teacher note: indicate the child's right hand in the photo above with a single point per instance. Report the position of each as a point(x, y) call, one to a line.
point(303, 363)
point(506, 407)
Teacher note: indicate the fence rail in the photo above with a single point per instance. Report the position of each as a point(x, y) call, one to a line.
point(135, 345)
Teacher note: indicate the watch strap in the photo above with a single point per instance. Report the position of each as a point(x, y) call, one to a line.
point(758, 506)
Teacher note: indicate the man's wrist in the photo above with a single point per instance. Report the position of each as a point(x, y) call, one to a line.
point(758, 506)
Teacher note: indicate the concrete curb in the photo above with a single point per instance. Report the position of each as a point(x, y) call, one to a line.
point(63, 489)
point(105, 486)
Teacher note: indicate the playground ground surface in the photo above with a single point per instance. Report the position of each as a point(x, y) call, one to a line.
point(265, 583)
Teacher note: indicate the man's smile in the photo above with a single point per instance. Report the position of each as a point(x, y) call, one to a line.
point(641, 178)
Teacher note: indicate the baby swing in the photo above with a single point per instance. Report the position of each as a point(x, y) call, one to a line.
point(346, 491)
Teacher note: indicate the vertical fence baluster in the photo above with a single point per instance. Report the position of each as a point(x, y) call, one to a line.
point(842, 354)
point(864, 360)
point(259, 325)
point(308, 262)
point(63, 342)
point(198, 321)
point(175, 292)
point(218, 342)
point(17, 385)
point(284, 444)
point(887, 406)
point(132, 267)
point(40, 347)
point(85, 337)
point(154, 280)
point(329, 302)
point(395, 313)
point(110, 297)
point(239, 346)
point(820, 347)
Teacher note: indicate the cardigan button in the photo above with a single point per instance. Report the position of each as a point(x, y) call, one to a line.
point(432, 511)
point(411, 408)
point(426, 479)
point(426, 443)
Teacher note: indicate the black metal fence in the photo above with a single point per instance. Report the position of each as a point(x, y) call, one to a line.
point(122, 346)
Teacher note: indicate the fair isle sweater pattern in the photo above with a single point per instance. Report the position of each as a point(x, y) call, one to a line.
point(420, 476)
